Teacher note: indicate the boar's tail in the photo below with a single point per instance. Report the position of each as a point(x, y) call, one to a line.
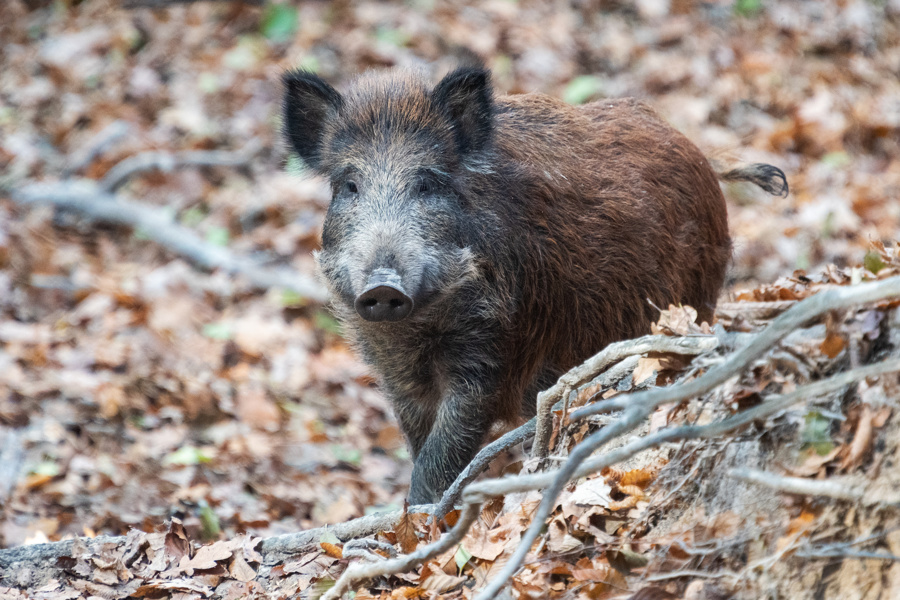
point(770, 179)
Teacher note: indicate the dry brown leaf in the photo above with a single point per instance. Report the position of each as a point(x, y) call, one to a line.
point(441, 582)
point(486, 544)
point(833, 345)
point(646, 368)
point(625, 503)
point(406, 531)
point(639, 477)
point(240, 570)
point(332, 550)
point(862, 438)
point(632, 490)
point(559, 538)
point(206, 557)
point(677, 320)
point(406, 593)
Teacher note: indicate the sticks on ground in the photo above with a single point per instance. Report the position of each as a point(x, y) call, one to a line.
point(168, 161)
point(592, 366)
point(829, 488)
point(88, 200)
point(637, 407)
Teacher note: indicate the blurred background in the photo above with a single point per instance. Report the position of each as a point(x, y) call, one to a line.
point(134, 386)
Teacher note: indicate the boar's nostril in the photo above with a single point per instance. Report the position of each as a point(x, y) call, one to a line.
point(383, 303)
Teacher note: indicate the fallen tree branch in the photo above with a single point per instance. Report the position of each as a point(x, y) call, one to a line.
point(555, 481)
point(475, 494)
point(277, 547)
point(829, 488)
point(97, 145)
point(636, 408)
point(592, 366)
point(169, 161)
point(753, 310)
point(85, 198)
point(364, 571)
point(273, 549)
point(793, 318)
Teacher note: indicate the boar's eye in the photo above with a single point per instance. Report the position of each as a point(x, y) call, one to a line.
point(350, 187)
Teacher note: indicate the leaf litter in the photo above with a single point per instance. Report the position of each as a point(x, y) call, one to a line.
point(142, 398)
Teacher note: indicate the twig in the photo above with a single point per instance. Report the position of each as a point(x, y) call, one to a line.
point(795, 317)
point(830, 488)
point(688, 573)
point(848, 554)
point(753, 310)
point(88, 200)
point(168, 161)
point(274, 548)
point(480, 463)
point(643, 405)
point(97, 145)
point(592, 366)
point(11, 456)
point(364, 571)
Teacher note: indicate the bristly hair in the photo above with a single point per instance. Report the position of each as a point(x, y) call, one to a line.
point(771, 179)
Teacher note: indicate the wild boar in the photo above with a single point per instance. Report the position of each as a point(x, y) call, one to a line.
point(478, 246)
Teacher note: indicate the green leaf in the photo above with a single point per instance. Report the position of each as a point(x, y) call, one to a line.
point(351, 456)
point(48, 468)
point(816, 433)
point(873, 262)
point(462, 557)
point(193, 216)
point(391, 36)
point(747, 8)
point(218, 331)
point(209, 522)
point(218, 236)
point(324, 321)
point(320, 587)
point(836, 159)
point(185, 456)
point(279, 22)
point(582, 88)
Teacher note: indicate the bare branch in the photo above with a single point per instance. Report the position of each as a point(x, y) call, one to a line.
point(97, 145)
point(275, 548)
point(795, 317)
point(169, 161)
point(556, 480)
point(592, 366)
point(830, 488)
point(89, 201)
point(12, 454)
point(753, 310)
point(480, 463)
point(365, 571)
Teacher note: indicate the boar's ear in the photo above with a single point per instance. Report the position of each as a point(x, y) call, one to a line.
point(309, 102)
point(465, 96)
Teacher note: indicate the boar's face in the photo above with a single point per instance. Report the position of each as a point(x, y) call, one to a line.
point(396, 234)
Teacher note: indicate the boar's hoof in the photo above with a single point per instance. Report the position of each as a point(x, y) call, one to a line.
point(383, 303)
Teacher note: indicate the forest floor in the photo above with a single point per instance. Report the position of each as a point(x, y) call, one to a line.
point(136, 388)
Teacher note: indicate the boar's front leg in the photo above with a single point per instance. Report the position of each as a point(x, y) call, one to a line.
point(460, 426)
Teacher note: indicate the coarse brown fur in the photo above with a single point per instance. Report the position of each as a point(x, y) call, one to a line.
point(529, 233)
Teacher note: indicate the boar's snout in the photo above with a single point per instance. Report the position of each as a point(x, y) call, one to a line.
point(384, 298)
